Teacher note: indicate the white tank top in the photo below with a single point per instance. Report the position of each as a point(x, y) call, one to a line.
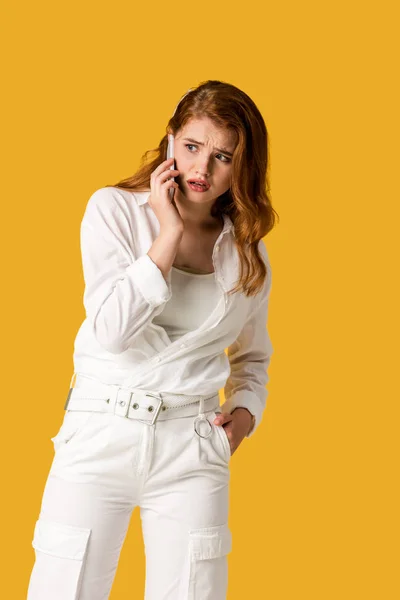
point(194, 297)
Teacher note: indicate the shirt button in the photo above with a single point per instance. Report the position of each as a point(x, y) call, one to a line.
point(157, 359)
point(217, 248)
point(183, 345)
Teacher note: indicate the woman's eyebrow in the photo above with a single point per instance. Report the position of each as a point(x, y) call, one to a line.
point(201, 144)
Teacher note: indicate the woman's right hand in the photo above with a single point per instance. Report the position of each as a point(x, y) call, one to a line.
point(159, 199)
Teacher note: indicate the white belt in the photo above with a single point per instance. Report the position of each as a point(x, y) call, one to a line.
point(135, 403)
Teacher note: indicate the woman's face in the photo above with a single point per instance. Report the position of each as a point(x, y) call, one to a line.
point(204, 151)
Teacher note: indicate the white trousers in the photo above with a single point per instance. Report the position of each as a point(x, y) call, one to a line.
point(104, 466)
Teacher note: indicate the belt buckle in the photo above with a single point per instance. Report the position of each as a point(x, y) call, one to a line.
point(161, 401)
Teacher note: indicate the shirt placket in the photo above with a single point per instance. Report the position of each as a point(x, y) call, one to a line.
point(223, 306)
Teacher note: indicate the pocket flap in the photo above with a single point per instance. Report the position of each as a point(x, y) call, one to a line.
point(210, 542)
point(58, 539)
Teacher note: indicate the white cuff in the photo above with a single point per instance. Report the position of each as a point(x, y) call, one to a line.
point(150, 280)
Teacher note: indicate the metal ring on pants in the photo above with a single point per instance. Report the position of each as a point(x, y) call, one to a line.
point(202, 417)
point(198, 419)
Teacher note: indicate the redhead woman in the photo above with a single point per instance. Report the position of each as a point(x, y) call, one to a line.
point(176, 272)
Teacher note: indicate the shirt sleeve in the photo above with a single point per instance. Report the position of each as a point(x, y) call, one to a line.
point(249, 357)
point(122, 290)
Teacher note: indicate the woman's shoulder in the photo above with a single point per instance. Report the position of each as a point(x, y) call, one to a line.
point(266, 288)
point(111, 193)
point(262, 247)
point(109, 199)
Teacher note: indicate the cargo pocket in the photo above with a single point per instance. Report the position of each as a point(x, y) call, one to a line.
point(60, 553)
point(74, 421)
point(208, 570)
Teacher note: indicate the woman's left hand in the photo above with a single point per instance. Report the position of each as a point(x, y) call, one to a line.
point(237, 426)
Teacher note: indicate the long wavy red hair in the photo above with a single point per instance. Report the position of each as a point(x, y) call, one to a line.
point(247, 202)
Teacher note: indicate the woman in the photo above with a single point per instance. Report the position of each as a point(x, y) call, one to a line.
point(168, 286)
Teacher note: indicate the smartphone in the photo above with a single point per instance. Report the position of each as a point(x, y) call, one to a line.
point(171, 154)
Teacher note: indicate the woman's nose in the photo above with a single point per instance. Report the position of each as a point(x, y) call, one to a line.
point(203, 167)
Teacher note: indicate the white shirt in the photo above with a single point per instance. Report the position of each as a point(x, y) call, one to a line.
point(118, 341)
point(194, 297)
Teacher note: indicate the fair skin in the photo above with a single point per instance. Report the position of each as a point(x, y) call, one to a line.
point(205, 162)
point(210, 160)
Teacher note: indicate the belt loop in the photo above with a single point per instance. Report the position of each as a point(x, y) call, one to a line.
point(201, 406)
point(122, 402)
point(202, 417)
point(74, 375)
point(70, 391)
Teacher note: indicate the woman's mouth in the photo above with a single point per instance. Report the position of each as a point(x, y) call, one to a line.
point(198, 186)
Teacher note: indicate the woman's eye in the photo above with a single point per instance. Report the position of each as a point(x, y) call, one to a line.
point(226, 159)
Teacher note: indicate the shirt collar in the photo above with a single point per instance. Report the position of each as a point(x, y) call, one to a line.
point(142, 197)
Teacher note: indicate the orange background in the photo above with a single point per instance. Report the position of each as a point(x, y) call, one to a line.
point(87, 88)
